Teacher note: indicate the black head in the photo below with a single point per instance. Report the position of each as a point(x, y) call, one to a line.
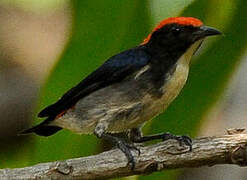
point(176, 35)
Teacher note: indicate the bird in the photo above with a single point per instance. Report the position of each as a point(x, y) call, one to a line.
point(130, 88)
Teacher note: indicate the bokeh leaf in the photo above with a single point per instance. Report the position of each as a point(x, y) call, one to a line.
point(161, 9)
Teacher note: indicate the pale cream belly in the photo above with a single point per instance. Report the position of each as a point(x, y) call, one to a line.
point(170, 91)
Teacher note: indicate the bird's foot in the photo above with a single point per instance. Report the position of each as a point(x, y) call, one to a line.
point(123, 146)
point(126, 149)
point(136, 136)
point(181, 139)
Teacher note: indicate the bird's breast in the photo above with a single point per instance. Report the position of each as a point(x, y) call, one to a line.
point(173, 84)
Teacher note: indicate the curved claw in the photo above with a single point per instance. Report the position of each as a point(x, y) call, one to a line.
point(181, 139)
point(186, 140)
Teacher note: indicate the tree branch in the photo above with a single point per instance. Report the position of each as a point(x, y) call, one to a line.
point(207, 151)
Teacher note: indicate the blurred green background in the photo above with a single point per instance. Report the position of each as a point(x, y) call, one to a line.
point(93, 31)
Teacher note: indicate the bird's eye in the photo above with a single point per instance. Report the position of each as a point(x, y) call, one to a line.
point(176, 31)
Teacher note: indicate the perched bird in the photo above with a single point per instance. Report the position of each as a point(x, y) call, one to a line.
point(130, 88)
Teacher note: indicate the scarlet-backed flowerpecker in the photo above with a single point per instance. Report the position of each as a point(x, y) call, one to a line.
point(130, 88)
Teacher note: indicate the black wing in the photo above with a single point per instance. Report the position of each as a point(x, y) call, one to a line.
point(112, 71)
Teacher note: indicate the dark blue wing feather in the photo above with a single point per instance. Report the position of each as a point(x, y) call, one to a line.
point(112, 71)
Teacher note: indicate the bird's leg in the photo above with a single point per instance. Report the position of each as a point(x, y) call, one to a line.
point(119, 142)
point(135, 136)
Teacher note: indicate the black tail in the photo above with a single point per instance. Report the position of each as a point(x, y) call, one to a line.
point(43, 129)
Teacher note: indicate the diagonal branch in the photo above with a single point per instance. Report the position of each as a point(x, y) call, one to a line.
point(207, 151)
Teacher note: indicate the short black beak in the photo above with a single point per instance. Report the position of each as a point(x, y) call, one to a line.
point(205, 31)
point(208, 31)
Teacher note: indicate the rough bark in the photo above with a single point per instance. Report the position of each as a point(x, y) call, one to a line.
point(207, 151)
